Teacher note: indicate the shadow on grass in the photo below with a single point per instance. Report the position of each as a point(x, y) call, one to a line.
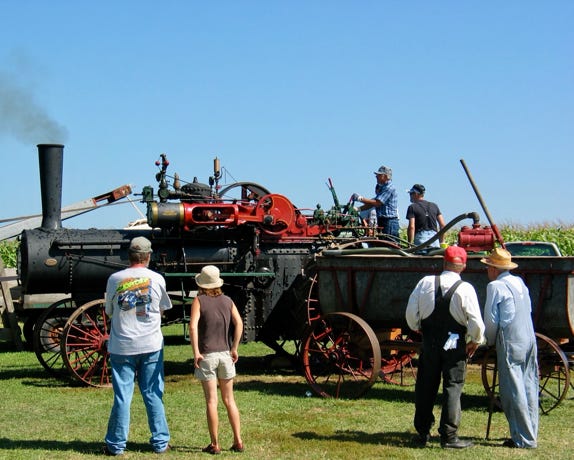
point(390, 438)
point(81, 447)
point(379, 392)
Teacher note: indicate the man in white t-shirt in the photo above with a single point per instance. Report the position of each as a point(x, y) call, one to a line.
point(135, 300)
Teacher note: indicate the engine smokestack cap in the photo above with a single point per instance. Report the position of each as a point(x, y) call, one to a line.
point(141, 245)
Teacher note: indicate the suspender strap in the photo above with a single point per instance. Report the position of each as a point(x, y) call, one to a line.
point(438, 293)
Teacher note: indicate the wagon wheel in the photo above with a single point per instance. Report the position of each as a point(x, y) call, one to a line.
point(397, 357)
point(341, 356)
point(553, 373)
point(85, 339)
point(554, 376)
point(47, 335)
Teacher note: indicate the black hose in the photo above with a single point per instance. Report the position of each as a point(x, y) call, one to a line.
point(471, 215)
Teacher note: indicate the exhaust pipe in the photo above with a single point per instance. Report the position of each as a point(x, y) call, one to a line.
point(51, 161)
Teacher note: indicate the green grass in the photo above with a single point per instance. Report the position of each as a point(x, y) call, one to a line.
point(45, 418)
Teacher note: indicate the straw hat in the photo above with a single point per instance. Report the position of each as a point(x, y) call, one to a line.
point(499, 258)
point(209, 277)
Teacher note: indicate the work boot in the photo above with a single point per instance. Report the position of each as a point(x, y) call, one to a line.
point(420, 440)
point(455, 443)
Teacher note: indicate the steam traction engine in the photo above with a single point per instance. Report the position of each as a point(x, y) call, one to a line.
point(263, 245)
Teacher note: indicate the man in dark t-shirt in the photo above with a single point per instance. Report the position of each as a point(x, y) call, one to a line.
point(424, 219)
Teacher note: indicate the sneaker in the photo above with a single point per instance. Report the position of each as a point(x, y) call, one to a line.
point(106, 451)
point(211, 449)
point(167, 449)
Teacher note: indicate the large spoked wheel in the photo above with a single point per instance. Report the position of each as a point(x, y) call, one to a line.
point(553, 373)
point(341, 356)
point(85, 339)
point(47, 335)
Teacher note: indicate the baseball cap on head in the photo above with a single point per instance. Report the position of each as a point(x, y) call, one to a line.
point(141, 245)
point(455, 255)
point(384, 170)
point(417, 188)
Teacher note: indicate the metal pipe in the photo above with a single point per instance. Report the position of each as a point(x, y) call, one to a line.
point(484, 208)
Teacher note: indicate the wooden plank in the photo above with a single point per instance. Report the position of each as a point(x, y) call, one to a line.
point(9, 319)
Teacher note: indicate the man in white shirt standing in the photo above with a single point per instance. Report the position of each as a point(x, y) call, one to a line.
point(445, 310)
point(135, 299)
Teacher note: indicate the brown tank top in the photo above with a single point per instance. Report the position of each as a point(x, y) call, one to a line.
point(214, 323)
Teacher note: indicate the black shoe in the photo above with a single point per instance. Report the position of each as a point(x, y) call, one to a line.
point(455, 443)
point(509, 443)
point(420, 440)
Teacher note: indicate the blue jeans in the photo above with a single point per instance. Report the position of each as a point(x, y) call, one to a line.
point(147, 368)
point(389, 226)
point(425, 235)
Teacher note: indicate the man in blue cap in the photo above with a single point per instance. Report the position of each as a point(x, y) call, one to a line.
point(385, 202)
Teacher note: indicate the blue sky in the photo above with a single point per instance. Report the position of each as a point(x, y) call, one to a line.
point(291, 93)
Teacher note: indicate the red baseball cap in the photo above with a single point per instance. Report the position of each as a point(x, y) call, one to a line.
point(455, 255)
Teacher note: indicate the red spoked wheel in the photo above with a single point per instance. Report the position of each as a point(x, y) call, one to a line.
point(397, 357)
point(341, 356)
point(553, 373)
point(85, 339)
point(47, 335)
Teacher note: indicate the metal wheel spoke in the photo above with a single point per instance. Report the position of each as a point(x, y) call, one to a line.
point(85, 339)
point(397, 361)
point(47, 336)
point(341, 356)
point(553, 373)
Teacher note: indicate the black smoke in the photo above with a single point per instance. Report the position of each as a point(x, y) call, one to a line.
point(23, 118)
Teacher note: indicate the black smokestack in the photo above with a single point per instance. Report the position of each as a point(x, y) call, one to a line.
point(51, 159)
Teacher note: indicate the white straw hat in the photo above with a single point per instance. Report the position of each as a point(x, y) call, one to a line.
point(209, 277)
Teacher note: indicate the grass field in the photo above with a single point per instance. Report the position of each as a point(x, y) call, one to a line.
point(46, 418)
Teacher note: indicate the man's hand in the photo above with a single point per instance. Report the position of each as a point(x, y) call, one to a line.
point(356, 197)
point(471, 348)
